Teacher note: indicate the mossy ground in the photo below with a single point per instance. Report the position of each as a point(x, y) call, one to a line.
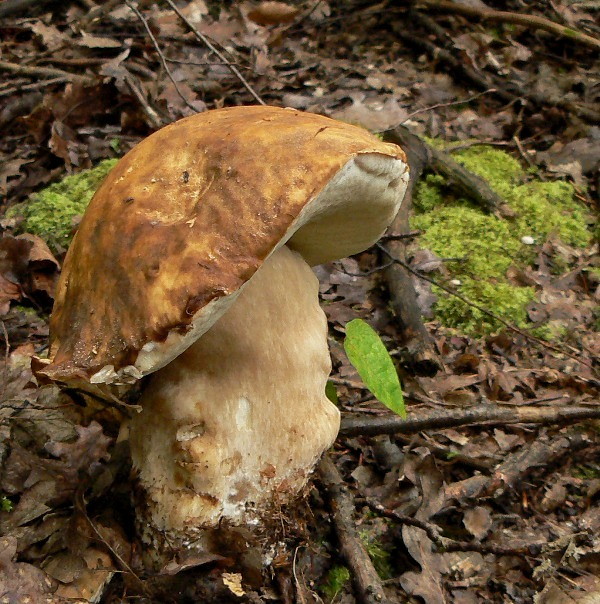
point(335, 580)
point(485, 246)
point(49, 213)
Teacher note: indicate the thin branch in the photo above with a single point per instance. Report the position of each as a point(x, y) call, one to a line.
point(488, 415)
point(531, 21)
point(368, 585)
point(33, 86)
point(161, 55)
point(450, 104)
point(50, 72)
point(401, 237)
point(80, 505)
point(153, 117)
point(450, 545)
point(12, 7)
point(462, 179)
point(216, 51)
point(487, 312)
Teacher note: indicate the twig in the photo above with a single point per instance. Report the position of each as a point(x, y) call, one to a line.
point(81, 507)
point(489, 313)
point(153, 117)
point(481, 80)
point(465, 181)
point(50, 72)
point(368, 585)
point(450, 104)
point(33, 86)
point(403, 296)
point(371, 271)
point(216, 51)
point(516, 467)
point(161, 55)
point(531, 21)
point(450, 545)
point(12, 7)
point(401, 236)
point(488, 415)
point(540, 453)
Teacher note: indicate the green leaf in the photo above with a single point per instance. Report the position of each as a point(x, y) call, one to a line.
point(371, 359)
point(331, 392)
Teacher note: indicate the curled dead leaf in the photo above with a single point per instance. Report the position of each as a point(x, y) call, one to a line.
point(273, 13)
point(478, 521)
point(233, 581)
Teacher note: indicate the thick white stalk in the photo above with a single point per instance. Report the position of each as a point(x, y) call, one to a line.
point(231, 429)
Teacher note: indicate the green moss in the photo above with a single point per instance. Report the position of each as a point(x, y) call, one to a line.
point(335, 580)
point(542, 208)
point(50, 212)
point(28, 311)
point(552, 330)
point(486, 246)
point(380, 557)
point(5, 504)
point(586, 471)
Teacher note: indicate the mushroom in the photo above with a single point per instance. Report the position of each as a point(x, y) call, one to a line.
point(192, 263)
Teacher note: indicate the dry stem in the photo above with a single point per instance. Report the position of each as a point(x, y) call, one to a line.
point(481, 415)
point(160, 54)
point(219, 54)
point(50, 72)
point(368, 585)
point(531, 21)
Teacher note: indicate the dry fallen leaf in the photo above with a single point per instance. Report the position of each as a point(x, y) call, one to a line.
point(427, 583)
point(234, 582)
point(21, 582)
point(90, 41)
point(273, 13)
point(478, 522)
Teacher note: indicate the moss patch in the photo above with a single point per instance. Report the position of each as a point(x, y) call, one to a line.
point(335, 580)
point(50, 212)
point(380, 557)
point(486, 246)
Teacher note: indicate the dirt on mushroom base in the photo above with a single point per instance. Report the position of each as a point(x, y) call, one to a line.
point(485, 247)
point(50, 212)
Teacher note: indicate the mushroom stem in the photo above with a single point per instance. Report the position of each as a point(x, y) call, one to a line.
point(232, 428)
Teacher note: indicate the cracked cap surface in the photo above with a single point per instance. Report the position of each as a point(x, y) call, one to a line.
point(189, 215)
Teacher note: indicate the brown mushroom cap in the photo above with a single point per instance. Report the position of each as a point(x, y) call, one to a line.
point(190, 214)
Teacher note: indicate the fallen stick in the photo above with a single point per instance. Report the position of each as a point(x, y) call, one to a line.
point(403, 297)
point(219, 54)
point(530, 21)
point(540, 453)
point(368, 584)
point(480, 79)
point(523, 332)
point(14, 7)
point(488, 415)
point(460, 178)
point(515, 469)
point(50, 72)
point(445, 544)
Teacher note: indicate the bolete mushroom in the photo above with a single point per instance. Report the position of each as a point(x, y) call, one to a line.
point(192, 262)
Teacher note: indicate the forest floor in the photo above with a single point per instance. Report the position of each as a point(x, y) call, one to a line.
point(490, 490)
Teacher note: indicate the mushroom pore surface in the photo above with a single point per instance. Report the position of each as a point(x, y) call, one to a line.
point(235, 424)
